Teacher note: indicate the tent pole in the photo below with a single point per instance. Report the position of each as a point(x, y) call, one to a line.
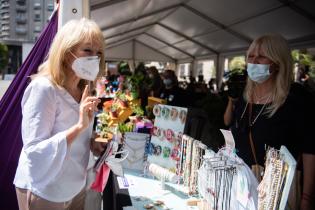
point(219, 70)
point(134, 53)
point(76, 10)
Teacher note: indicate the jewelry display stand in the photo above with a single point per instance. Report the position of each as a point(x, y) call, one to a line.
point(273, 190)
point(135, 143)
point(226, 182)
point(288, 158)
point(164, 149)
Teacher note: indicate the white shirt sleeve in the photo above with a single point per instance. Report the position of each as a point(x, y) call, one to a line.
point(45, 152)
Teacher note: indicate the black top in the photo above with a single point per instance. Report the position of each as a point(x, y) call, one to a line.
point(175, 96)
point(291, 126)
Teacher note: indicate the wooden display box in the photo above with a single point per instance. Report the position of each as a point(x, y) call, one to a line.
point(153, 100)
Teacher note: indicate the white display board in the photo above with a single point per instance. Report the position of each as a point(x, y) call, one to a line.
point(164, 149)
point(288, 158)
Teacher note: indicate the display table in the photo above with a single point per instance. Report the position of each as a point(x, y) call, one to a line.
point(143, 191)
point(113, 197)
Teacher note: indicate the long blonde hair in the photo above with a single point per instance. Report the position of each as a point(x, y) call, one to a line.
point(72, 34)
point(275, 48)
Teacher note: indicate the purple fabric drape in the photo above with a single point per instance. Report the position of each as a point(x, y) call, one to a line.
point(11, 115)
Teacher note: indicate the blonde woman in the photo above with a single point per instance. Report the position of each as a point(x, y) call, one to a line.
point(274, 111)
point(57, 121)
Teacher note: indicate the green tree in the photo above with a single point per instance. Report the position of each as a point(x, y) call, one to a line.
point(306, 59)
point(237, 63)
point(3, 57)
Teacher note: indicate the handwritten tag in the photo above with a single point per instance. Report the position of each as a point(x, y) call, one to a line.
point(229, 140)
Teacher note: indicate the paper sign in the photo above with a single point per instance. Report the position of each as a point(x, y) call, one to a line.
point(124, 183)
point(229, 140)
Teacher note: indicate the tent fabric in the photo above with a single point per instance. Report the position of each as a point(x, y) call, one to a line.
point(191, 29)
point(11, 114)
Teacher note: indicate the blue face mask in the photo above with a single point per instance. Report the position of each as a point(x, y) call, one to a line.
point(258, 72)
point(167, 82)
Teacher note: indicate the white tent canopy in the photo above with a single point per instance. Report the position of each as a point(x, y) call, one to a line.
point(185, 30)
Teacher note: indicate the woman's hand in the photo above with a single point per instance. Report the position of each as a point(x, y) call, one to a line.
point(228, 114)
point(88, 106)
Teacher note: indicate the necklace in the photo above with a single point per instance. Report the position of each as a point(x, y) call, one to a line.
point(261, 99)
point(259, 113)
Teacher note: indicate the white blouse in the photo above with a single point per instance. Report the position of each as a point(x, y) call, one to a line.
point(47, 166)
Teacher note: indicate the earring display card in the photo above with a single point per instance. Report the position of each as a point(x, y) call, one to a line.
point(164, 149)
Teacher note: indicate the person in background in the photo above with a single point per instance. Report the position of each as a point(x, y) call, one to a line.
point(191, 85)
point(302, 73)
point(156, 85)
point(212, 86)
point(201, 86)
point(174, 95)
point(57, 121)
point(274, 111)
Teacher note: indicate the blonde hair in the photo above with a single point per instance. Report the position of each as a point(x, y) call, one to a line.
point(72, 34)
point(275, 48)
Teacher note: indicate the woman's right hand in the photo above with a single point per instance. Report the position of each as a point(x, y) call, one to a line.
point(88, 106)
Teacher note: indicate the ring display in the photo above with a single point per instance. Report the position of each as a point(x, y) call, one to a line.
point(157, 111)
point(165, 112)
point(174, 113)
point(166, 152)
point(182, 116)
point(166, 136)
point(157, 150)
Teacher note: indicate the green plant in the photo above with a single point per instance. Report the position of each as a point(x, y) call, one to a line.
point(114, 107)
point(3, 56)
point(134, 81)
point(137, 110)
point(102, 126)
point(125, 127)
point(306, 59)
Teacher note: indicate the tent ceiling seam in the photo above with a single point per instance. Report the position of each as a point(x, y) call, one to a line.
point(141, 16)
point(155, 50)
point(131, 30)
point(256, 15)
point(218, 24)
point(105, 4)
point(298, 10)
point(188, 38)
point(170, 45)
point(130, 37)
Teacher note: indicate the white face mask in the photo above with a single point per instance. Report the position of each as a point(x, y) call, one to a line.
point(258, 72)
point(86, 67)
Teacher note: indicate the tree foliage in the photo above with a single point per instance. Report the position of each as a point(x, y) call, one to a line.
point(3, 56)
point(237, 64)
point(306, 59)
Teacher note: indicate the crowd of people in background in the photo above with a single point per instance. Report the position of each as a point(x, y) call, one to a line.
point(165, 84)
